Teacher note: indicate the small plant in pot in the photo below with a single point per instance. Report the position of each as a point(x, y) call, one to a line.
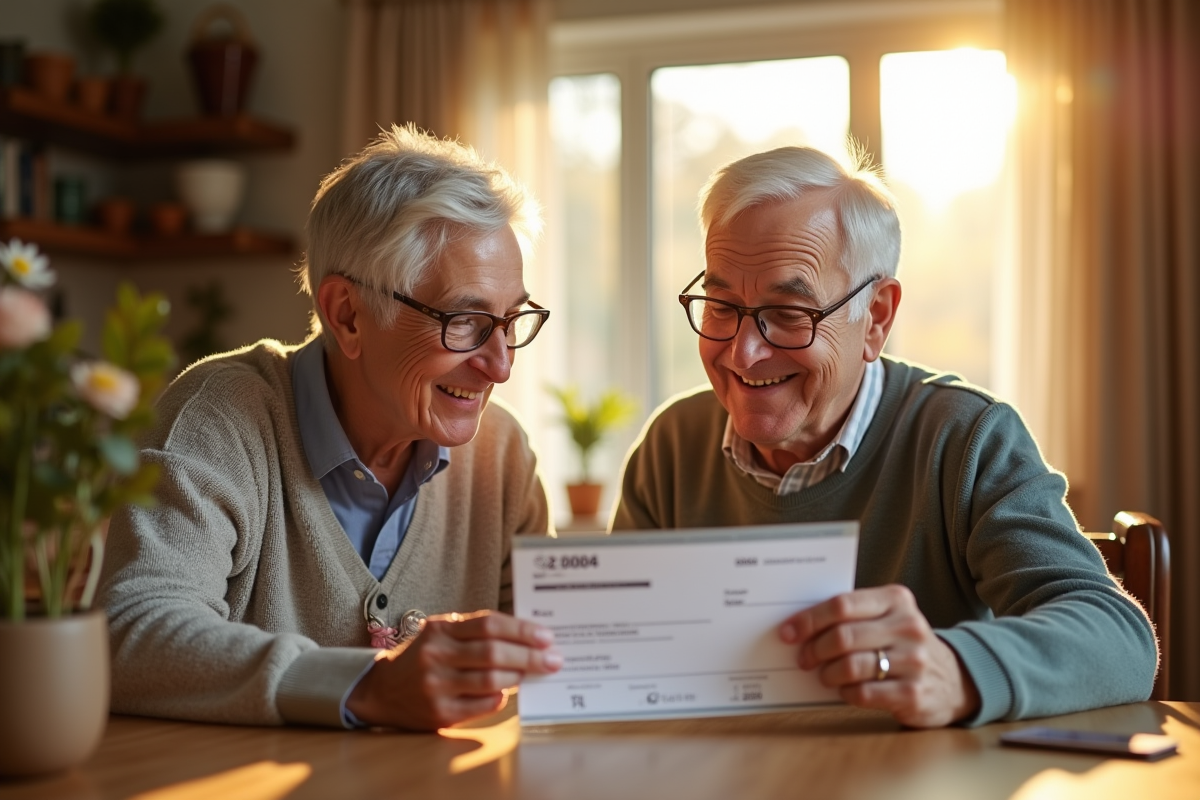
point(588, 425)
point(67, 460)
point(124, 27)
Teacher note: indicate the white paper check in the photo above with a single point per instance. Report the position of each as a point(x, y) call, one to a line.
point(676, 623)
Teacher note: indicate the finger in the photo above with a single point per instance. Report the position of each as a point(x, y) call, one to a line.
point(850, 606)
point(847, 638)
point(492, 625)
point(861, 667)
point(499, 654)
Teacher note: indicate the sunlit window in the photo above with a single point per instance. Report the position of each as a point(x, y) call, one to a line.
point(706, 116)
point(946, 117)
point(586, 118)
point(585, 115)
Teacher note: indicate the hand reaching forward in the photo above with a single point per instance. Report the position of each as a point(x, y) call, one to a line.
point(458, 667)
point(925, 685)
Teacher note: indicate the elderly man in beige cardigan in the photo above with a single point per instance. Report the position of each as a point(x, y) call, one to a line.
point(330, 543)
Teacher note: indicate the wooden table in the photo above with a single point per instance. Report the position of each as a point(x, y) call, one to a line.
point(832, 752)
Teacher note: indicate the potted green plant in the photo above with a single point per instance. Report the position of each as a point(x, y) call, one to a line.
point(124, 27)
point(67, 460)
point(588, 425)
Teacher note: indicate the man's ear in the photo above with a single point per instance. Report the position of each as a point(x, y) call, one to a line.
point(343, 311)
point(881, 315)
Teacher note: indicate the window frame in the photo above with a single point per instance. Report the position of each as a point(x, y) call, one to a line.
point(633, 47)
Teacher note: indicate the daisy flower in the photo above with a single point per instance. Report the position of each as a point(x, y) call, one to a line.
point(27, 266)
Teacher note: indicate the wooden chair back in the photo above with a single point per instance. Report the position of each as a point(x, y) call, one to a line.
point(1139, 554)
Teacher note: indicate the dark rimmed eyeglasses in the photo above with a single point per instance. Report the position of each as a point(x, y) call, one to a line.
point(785, 327)
point(464, 331)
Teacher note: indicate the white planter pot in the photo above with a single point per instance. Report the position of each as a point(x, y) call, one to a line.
point(212, 190)
point(54, 687)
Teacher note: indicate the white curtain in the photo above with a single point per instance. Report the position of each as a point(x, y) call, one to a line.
point(475, 70)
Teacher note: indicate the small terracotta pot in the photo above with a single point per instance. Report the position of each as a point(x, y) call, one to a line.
point(54, 689)
point(168, 218)
point(585, 499)
point(116, 214)
point(50, 75)
point(91, 93)
point(128, 95)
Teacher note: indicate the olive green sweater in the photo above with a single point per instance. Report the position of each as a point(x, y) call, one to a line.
point(956, 503)
point(239, 598)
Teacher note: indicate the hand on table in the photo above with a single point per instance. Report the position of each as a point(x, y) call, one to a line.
point(925, 685)
point(458, 667)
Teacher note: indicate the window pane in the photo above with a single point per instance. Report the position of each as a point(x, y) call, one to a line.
point(586, 119)
point(704, 117)
point(946, 117)
point(585, 116)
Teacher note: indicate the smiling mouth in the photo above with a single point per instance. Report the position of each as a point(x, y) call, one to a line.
point(765, 382)
point(455, 391)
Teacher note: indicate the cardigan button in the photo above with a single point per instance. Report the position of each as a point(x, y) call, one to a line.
point(411, 624)
point(381, 601)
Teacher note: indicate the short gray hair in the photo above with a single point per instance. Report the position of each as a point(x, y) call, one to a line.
point(865, 209)
point(384, 216)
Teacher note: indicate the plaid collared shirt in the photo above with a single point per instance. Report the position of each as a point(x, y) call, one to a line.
point(833, 457)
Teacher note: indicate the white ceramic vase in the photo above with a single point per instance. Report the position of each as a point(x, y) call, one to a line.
point(212, 190)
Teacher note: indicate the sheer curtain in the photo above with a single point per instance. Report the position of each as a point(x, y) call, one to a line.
point(476, 70)
point(1107, 267)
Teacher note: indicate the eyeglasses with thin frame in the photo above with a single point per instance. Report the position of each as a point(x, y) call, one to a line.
point(782, 326)
point(464, 331)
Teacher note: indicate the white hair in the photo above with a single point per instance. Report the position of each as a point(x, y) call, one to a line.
point(385, 215)
point(865, 209)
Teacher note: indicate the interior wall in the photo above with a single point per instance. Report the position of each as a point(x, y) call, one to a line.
point(297, 83)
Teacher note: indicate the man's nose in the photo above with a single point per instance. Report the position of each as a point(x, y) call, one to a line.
point(493, 357)
point(749, 346)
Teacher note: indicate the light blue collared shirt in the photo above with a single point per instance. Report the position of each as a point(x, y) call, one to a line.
point(374, 523)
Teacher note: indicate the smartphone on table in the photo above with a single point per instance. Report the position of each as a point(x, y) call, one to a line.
point(1144, 746)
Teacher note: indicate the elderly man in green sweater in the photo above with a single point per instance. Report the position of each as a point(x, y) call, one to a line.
point(976, 597)
point(331, 539)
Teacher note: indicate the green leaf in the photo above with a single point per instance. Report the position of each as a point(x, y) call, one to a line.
point(120, 453)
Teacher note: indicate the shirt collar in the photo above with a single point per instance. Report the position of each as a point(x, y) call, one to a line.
point(744, 456)
point(325, 443)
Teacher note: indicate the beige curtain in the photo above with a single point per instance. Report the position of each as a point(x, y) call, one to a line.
point(475, 70)
point(1108, 267)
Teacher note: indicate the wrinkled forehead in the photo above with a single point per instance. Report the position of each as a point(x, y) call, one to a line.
point(790, 247)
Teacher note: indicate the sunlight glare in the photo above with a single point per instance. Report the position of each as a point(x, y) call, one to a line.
point(946, 117)
point(757, 100)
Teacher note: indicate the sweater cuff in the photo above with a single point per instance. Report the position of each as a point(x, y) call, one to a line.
point(314, 689)
point(995, 692)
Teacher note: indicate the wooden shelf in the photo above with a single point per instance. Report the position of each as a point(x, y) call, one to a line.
point(26, 114)
point(95, 241)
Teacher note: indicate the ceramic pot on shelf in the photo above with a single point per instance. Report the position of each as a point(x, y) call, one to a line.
point(211, 189)
point(127, 96)
point(91, 93)
point(116, 214)
point(50, 75)
point(54, 689)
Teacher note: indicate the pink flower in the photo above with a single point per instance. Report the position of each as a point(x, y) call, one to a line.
point(106, 387)
point(24, 318)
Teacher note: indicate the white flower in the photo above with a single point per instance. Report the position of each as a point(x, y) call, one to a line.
point(107, 388)
point(28, 267)
point(24, 318)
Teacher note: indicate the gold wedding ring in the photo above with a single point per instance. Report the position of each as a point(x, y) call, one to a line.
point(882, 665)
